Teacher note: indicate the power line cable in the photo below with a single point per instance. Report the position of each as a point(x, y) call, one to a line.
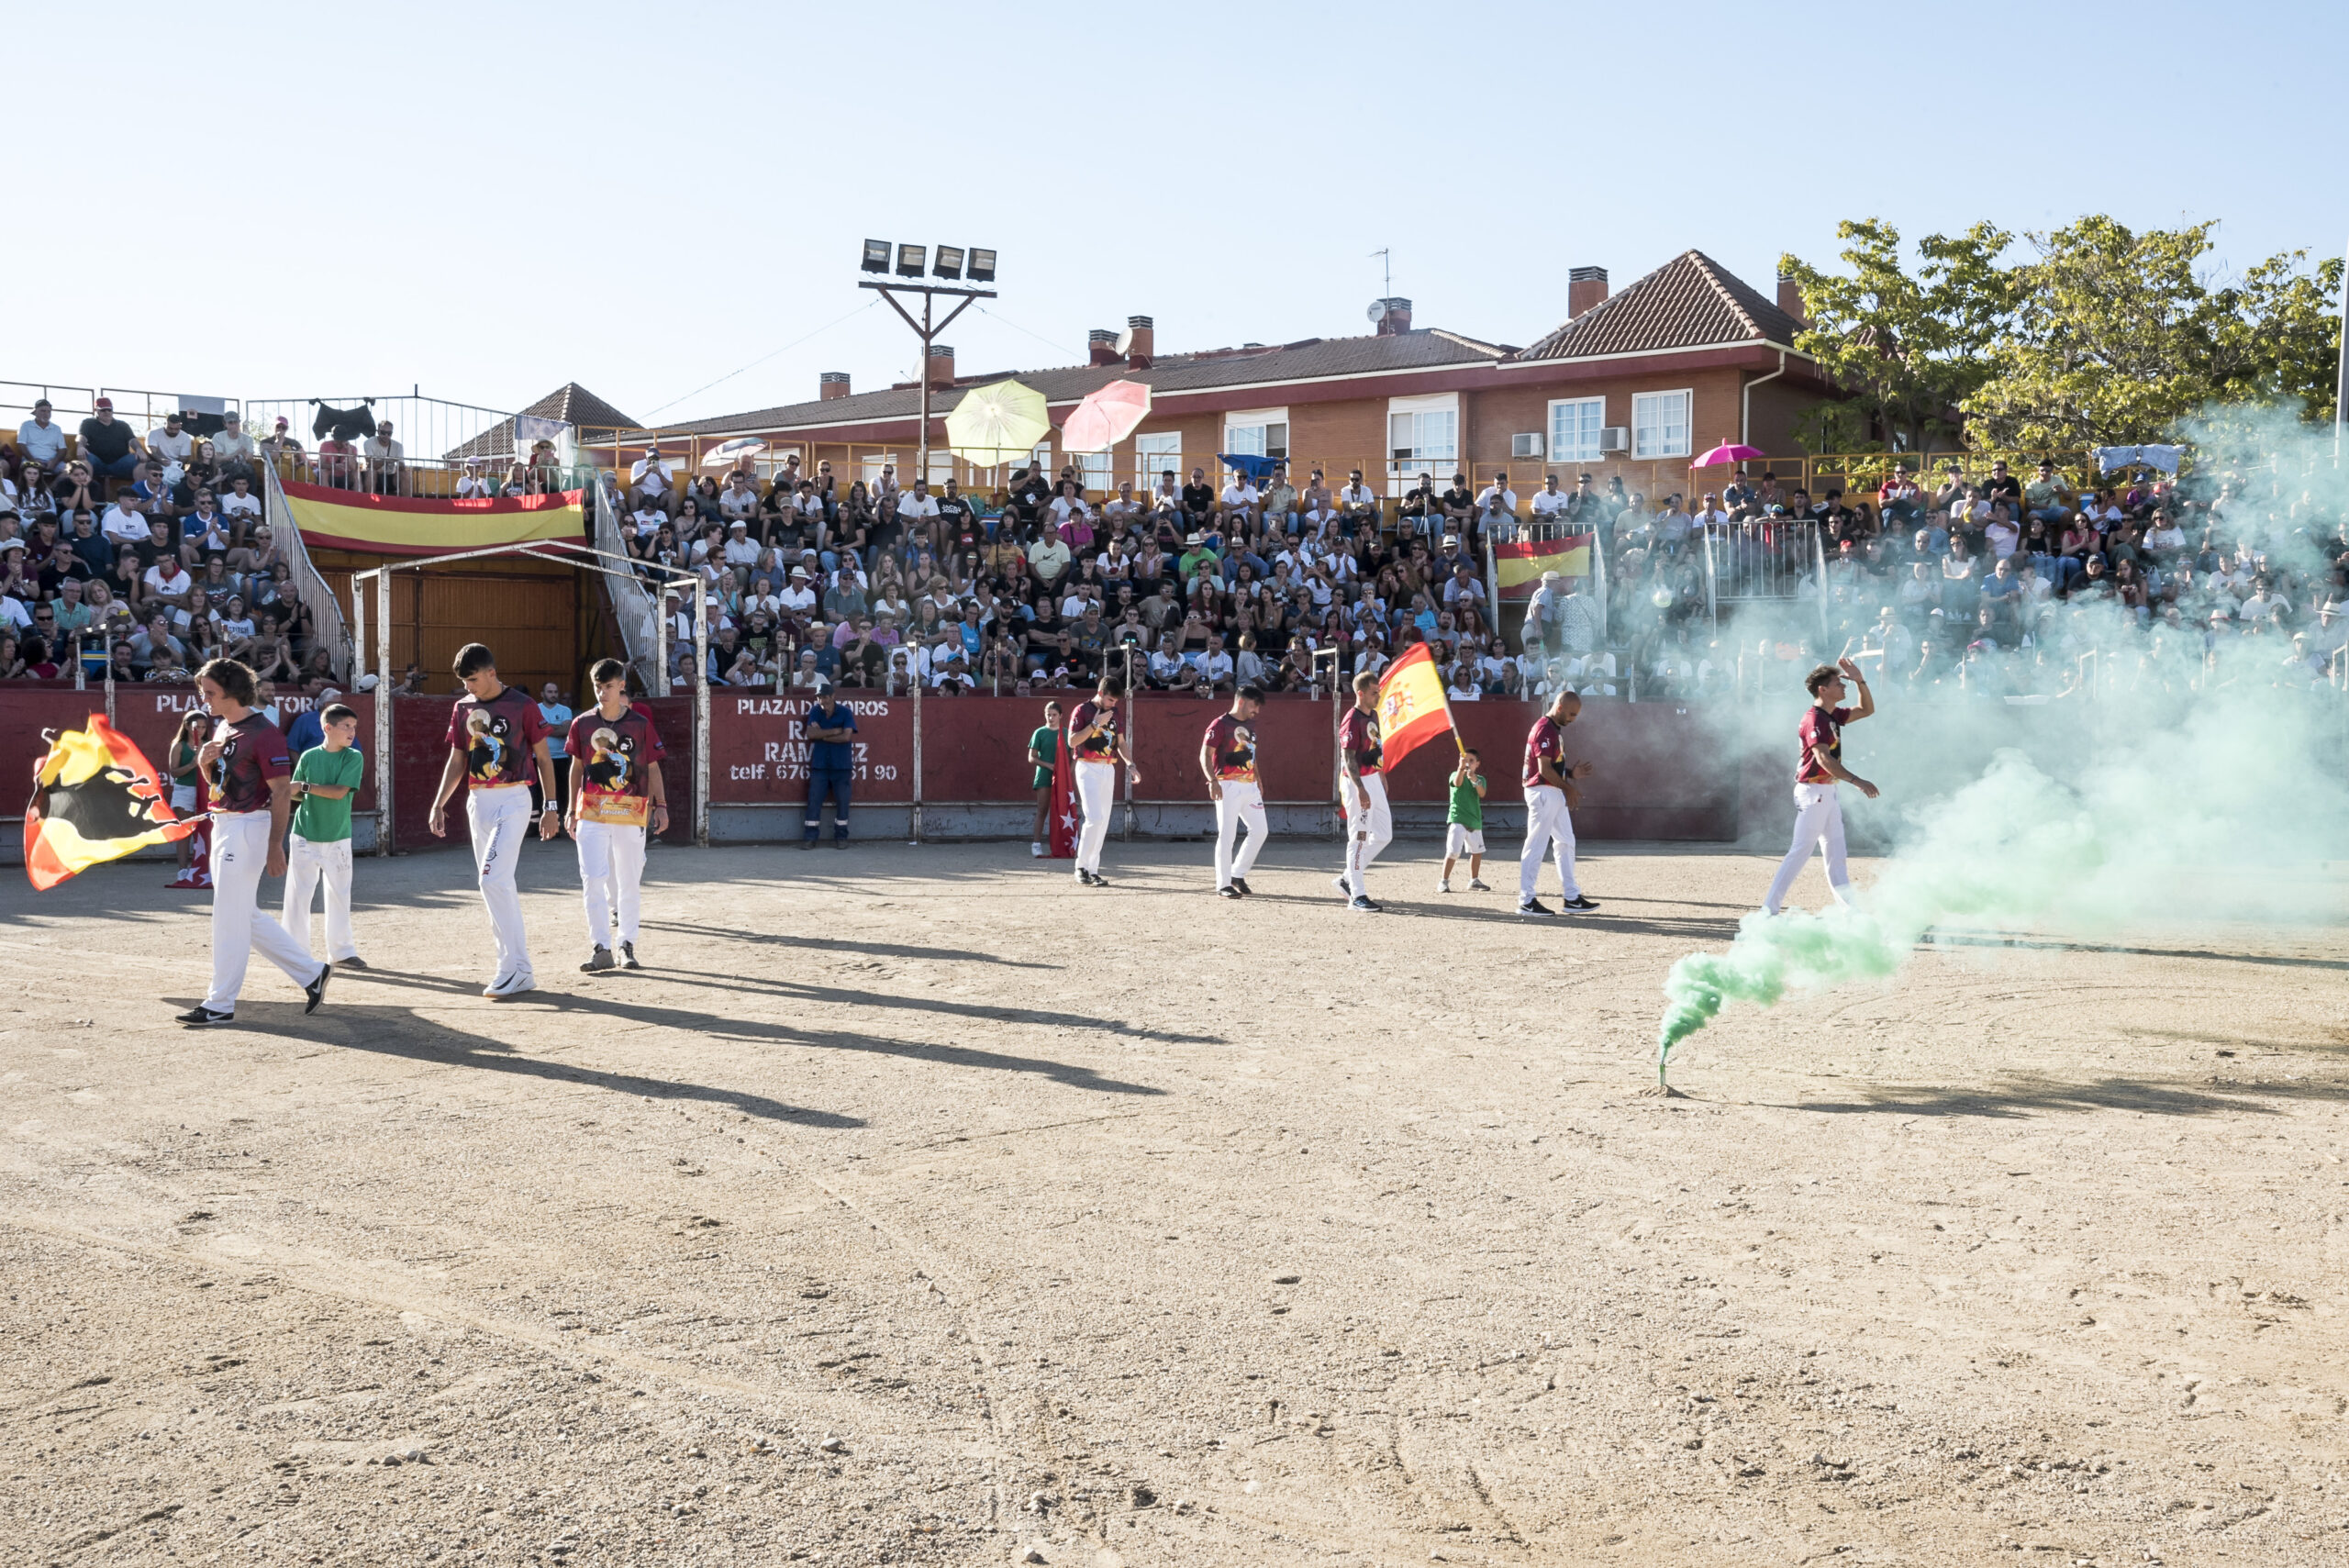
point(763, 358)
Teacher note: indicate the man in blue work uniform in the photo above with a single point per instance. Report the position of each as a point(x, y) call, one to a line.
point(829, 728)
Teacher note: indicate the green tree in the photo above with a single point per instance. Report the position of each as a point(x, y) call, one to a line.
point(2115, 337)
point(1908, 347)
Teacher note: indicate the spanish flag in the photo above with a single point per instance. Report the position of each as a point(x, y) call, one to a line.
point(1411, 705)
point(1518, 566)
point(398, 524)
point(94, 799)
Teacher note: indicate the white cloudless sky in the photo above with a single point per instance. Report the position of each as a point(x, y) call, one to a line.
point(488, 200)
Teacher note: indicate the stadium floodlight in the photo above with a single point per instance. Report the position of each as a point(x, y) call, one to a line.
point(909, 259)
point(982, 267)
point(947, 263)
point(877, 255)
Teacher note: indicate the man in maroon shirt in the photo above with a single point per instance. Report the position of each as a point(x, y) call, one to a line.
point(1098, 746)
point(1550, 797)
point(1228, 758)
point(1819, 812)
point(1370, 827)
point(252, 778)
point(497, 740)
point(616, 790)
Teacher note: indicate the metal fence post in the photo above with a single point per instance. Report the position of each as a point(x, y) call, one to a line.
point(914, 680)
point(701, 716)
point(1133, 720)
point(383, 708)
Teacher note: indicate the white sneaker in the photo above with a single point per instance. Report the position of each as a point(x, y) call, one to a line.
point(506, 986)
point(1443, 885)
point(1036, 850)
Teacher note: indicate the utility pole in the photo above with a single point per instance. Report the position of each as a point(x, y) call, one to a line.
point(928, 333)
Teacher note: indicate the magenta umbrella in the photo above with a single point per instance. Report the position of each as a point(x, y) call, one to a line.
point(1107, 416)
point(1729, 452)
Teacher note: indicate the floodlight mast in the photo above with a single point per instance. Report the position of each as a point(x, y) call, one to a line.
point(909, 264)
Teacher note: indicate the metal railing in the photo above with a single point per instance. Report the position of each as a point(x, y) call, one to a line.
point(309, 586)
point(429, 428)
point(428, 479)
point(639, 619)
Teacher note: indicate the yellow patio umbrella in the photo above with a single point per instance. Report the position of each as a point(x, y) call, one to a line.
point(1000, 422)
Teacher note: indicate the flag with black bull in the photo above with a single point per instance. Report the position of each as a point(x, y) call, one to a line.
point(95, 798)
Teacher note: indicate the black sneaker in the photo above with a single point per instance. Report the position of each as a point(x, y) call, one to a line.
point(1227, 890)
point(1362, 906)
point(1100, 881)
point(1083, 878)
point(315, 991)
point(1577, 905)
point(807, 843)
point(205, 1017)
point(1242, 883)
point(628, 956)
point(1533, 906)
point(601, 960)
point(353, 962)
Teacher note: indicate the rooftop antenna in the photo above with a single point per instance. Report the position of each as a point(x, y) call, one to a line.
point(1384, 257)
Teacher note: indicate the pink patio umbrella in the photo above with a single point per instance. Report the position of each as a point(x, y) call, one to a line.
point(1107, 416)
point(1728, 451)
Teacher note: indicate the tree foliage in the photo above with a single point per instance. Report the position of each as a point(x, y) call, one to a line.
point(2097, 336)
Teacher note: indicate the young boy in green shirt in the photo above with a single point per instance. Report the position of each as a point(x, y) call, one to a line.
point(326, 777)
point(1464, 831)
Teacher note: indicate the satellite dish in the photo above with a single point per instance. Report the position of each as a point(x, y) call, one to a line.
point(1377, 311)
point(1126, 342)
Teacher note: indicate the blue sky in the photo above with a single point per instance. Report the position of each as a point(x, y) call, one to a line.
point(490, 200)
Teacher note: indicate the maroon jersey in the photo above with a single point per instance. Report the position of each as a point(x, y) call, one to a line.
point(1546, 740)
point(253, 754)
point(1232, 744)
point(1358, 737)
point(1101, 747)
point(497, 737)
point(612, 758)
point(1819, 726)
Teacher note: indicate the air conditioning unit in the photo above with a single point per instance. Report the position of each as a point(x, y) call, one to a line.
point(1615, 439)
point(1526, 445)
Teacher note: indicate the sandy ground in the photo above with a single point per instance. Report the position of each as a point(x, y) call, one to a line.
point(914, 1207)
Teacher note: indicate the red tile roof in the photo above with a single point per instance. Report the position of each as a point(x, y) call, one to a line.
point(1689, 302)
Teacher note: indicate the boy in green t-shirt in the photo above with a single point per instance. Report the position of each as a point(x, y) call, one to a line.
point(1044, 755)
point(1464, 831)
point(326, 777)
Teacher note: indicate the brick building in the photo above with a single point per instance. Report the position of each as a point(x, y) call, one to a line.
point(1635, 383)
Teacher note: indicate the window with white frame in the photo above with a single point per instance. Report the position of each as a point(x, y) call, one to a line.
point(1153, 455)
point(1093, 472)
point(1574, 424)
point(1422, 436)
point(1660, 424)
point(1259, 432)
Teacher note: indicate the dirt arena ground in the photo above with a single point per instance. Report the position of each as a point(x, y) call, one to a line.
point(913, 1207)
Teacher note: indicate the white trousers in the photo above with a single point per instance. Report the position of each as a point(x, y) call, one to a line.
point(1241, 804)
point(240, 855)
point(1096, 794)
point(1818, 820)
point(1367, 831)
point(1547, 822)
point(499, 819)
point(305, 863)
point(611, 869)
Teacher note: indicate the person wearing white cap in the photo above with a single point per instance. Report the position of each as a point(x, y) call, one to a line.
point(1541, 614)
point(798, 598)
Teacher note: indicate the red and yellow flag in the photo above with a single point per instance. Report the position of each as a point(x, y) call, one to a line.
point(398, 525)
point(95, 798)
point(1411, 705)
point(1518, 566)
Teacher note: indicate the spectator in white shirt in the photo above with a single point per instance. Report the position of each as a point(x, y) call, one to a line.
point(167, 579)
point(170, 443)
point(797, 597)
point(737, 501)
point(1708, 512)
point(472, 486)
point(382, 454)
point(241, 501)
point(1498, 487)
point(741, 549)
point(1240, 499)
point(124, 521)
point(235, 454)
point(1357, 502)
point(1549, 501)
point(917, 509)
point(41, 437)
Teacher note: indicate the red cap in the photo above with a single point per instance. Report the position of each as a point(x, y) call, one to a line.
point(102, 403)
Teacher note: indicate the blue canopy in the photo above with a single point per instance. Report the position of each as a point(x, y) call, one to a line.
point(1249, 463)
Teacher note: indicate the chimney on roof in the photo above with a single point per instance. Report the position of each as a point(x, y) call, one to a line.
point(1141, 334)
point(832, 384)
point(1586, 287)
point(1102, 345)
point(1394, 317)
point(1790, 299)
point(942, 365)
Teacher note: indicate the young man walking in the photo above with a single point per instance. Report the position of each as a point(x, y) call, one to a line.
point(1370, 826)
point(1097, 746)
point(1464, 826)
point(830, 730)
point(1551, 796)
point(1228, 758)
point(616, 790)
point(1818, 811)
point(497, 743)
point(326, 777)
point(252, 784)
